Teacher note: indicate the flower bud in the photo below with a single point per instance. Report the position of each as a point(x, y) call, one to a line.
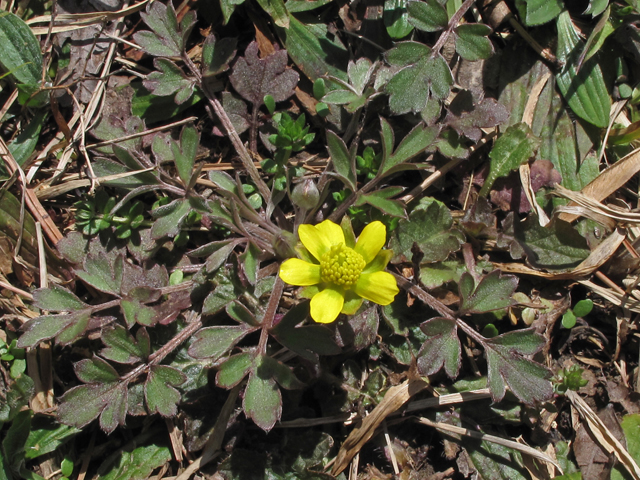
point(284, 244)
point(306, 195)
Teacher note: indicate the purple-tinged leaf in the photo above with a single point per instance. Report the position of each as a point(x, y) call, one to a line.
point(95, 370)
point(242, 314)
point(262, 401)
point(75, 329)
point(115, 411)
point(361, 328)
point(217, 54)
point(169, 79)
point(48, 326)
point(442, 347)
point(254, 77)
point(121, 347)
point(528, 380)
point(468, 115)
point(81, 405)
point(57, 299)
point(167, 38)
point(184, 154)
point(159, 392)
point(169, 219)
point(233, 371)
point(101, 273)
point(492, 293)
point(213, 342)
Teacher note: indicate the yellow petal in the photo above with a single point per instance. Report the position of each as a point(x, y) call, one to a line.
point(379, 263)
point(371, 240)
point(352, 303)
point(326, 306)
point(298, 272)
point(314, 240)
point(333, 232)
point(379, 287)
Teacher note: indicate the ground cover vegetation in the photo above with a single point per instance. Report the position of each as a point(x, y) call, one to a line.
point(319, 239)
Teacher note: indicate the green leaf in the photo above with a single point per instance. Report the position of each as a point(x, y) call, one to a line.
point(492, 293)
point(568, 319)
point(48, 326)
point(379, 200)
point(138, 464)
point(66, 467)
point(472, 43)
point(307, 46)
point(159, 392)
point(528, 380)
point(17, 396)
point(583, 308)
point(558, 246)
point(262, 401)
point(428, 16)
point(48, 438)
point(15, 438)
point(343, 160)
point(20, 54)
point(216, 54)
point(96, 370)
point(396, 19)
point(250, 259)
point(101, 272)
point(307, 341)
point(213, 342)
point(416, 142)
point(340, 97)
point(407, 53)
point(430, 227)
point(233, 371)
point(185, 154)
point(169, 79)
point(585, 91)
point(57, 299)
point(410, 88)
point(25, 143)
point(167, 38)
point(269, 367)
point(514, 147)
point(442, 348)
point(537, 12)
point(277, 11)
point(84, 403)
point(121, 347)
point(631, 427)
point(171, 218)
point(154, 109)
point(495, 462)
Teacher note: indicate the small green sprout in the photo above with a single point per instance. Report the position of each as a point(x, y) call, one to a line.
point(569, 379)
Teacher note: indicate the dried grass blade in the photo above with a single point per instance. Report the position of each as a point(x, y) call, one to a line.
point(603, 436)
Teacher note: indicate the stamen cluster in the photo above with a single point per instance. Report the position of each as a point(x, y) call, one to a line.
point(341, 265)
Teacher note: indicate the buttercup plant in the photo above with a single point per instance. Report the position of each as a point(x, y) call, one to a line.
point(338, 272)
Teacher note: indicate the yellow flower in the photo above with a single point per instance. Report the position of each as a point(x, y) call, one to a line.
point(340, 273)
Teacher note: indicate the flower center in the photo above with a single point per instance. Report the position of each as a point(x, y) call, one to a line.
point(341, 265)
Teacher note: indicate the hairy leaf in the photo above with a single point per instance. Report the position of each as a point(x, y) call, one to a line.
point(213, 342)
point(102, 273)
point(159, 392)
point(57, 299)
point(82, 404)
point(442, 348)
point(254, 77)
point(168, 37)
point(429, 227)
point(234, 370)
point(48, 326)
point(428, 16)
point(414, 143)
point(472, 43)
point(136, 464)
point(492, 293)
point(515, 147)
point(343, 160)
point(507, 366)
point(217, 54)
point(169, 79)
point(262, 401)
point(45, 439)
point(121, 347)
point(467, 115)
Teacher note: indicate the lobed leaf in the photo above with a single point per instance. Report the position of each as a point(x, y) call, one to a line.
point(57, 299)
point(213, 342)
point(161, 397)
point(121, 347)
point(262, 401)
point(492, 293)
point(428, 15)
point(442, 348)
point(136, 464)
